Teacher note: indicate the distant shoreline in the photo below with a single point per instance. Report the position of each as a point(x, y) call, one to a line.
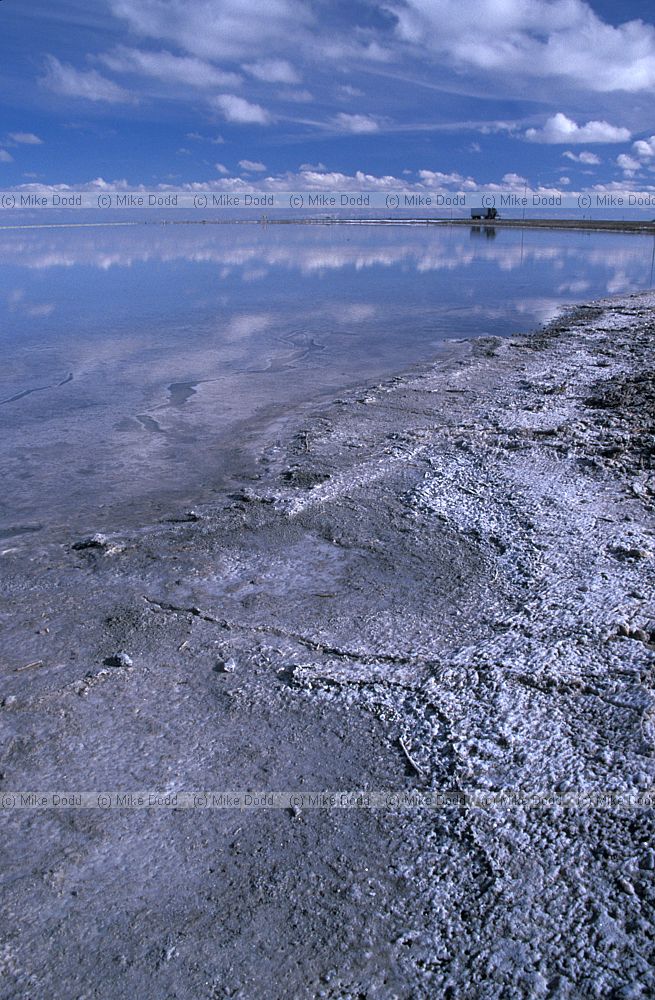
point(588, 225)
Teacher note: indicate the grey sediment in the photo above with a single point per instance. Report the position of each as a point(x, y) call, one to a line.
point(442, 582)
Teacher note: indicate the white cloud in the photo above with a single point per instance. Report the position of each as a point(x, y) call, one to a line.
point(563, 39)
point(222, 169)
point(166, 66)
point(359, 124)
point(5, 157)
point(237, 109)
point(218, 29)
point(263, 35)
point(63, 78)
point(25, 138)
point(559, 128)
point(514, 180)
point(100, 184)
point(645, 148)
point(498, 127)
point(252, 166)
point(435, 178)
point(611, 186)
point(506, 44)
point(584, 157)
point(628, 164)
point(273, 71)
point(316, 177)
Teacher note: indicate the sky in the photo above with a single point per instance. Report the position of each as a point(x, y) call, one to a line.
point(291, 94)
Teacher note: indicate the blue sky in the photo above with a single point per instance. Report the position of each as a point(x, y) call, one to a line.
point(290, 93)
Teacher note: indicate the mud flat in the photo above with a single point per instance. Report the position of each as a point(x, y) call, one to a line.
point(441, 584)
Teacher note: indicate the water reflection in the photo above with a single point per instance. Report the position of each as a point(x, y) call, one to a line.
point(488, 232)
point(144, 362)
point(254, 251)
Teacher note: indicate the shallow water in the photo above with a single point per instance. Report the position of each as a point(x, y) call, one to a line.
point(142, 365)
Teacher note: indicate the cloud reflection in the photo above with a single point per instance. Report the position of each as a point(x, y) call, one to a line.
point(237, 324)
point(257, 254)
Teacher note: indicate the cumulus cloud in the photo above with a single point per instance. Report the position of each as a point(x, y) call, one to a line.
point(252, 166)
point(25, 138)
point(62, 78)
point(533, 38)
point(437, 179)
point(559, 128)
point(514, 180)
point(628, 164)
point(222, 169)
point(165, 66)
point(312, 177)
point(237, 109)
point(645, 148)
point(273, 71)
point(359, 124)
point(590, 159)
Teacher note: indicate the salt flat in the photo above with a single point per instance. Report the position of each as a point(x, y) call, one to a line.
point(442, 582)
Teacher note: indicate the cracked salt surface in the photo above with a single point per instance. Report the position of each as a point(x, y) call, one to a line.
point(462, 603)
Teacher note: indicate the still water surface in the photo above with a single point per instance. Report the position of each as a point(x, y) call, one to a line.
point(143, 365)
